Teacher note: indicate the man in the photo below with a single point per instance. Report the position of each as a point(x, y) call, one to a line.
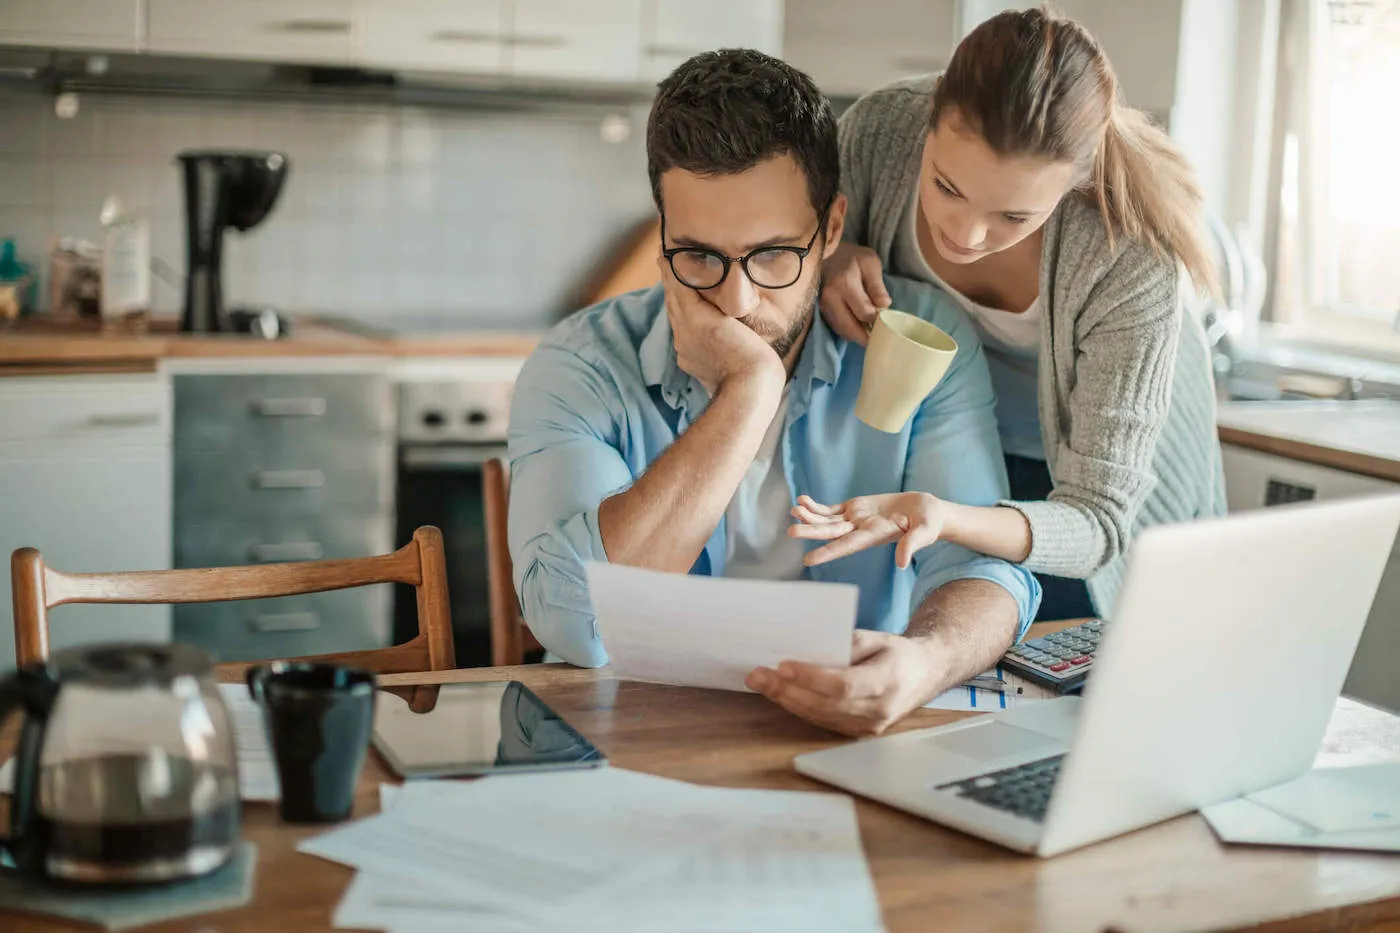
point(674, 428)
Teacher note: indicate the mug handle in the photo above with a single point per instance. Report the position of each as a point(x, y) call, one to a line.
point(256, 678)
point(33, 690)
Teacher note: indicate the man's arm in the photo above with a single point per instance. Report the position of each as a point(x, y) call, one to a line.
point(663, 521)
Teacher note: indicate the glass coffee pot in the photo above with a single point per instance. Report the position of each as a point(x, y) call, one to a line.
point(125, 768)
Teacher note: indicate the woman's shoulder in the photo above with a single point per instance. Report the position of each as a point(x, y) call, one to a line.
point(897, 110)
point(1090, 264)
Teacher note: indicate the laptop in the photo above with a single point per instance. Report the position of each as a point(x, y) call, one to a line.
point(1217, 678)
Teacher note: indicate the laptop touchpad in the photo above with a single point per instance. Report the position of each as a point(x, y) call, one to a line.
point(995, 740)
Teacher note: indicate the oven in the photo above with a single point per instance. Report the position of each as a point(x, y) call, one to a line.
point(449, 425)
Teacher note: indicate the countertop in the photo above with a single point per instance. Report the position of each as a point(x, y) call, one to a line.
point(37, 345)
point(1360, 437)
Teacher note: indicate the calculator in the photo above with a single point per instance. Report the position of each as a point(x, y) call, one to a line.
point(1061, 660)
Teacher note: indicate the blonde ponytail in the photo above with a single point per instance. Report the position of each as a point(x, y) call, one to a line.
point(1145, 189)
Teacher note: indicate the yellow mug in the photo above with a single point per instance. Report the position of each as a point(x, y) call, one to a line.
point(904, 361)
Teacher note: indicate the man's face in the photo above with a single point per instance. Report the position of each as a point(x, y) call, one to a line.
point(767, 205)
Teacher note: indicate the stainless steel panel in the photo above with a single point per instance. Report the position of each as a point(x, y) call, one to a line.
point(277, 538)
point(279, 412)
point(315, 623)
point(337, 473)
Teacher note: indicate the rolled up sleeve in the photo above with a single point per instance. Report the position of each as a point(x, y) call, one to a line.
point(955, 454)
point(565, 462)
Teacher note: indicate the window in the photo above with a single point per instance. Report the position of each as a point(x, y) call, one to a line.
point(1337, 159)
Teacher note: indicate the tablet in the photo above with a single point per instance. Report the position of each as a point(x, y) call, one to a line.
point(477, 728)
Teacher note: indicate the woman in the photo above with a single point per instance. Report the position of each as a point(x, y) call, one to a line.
point(1060, 220)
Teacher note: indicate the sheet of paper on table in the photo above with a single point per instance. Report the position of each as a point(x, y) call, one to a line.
point(1017, 690)
point(615, 849)
point(698, 631)
point(257, 772)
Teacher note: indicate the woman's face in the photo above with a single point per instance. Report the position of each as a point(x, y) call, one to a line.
point(977, 202)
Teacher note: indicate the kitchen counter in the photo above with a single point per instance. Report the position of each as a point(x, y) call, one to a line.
point(36, 345)
point(1359, 437)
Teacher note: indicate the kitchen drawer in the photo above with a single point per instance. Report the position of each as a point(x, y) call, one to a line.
point(312, 623)
point(279, 412)
point(352, 474)
point(110, 410)
point(277, 538)
point(275, 30)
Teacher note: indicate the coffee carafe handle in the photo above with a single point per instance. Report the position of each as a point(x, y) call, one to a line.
point(33, 690)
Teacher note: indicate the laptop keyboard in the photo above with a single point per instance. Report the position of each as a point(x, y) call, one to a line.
point(1023, 790)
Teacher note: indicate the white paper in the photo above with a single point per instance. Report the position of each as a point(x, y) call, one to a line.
point(1243, 821)
point(616, 850)
point(257, 774)
point(698, 631)
point(1333, 800)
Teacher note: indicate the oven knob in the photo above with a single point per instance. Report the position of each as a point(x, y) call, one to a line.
point(477, 416)
point(433, 419)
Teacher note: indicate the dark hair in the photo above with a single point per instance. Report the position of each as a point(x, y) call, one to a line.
point(721, 113)
point(1034, 83)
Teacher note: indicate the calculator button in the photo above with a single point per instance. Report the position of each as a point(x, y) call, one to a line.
point(1082, 659)
point(1062, 666)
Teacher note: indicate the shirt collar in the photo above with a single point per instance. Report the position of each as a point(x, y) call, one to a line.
point(820, 360)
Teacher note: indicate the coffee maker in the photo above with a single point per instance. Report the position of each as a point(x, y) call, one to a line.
point(222, 189)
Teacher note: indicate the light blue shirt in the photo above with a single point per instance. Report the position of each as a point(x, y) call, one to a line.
point(602, 397)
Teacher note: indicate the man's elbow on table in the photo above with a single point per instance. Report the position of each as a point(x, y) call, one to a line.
point(557, 611)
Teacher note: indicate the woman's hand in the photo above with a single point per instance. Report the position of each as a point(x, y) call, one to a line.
point(853, 291)
point(915, 519)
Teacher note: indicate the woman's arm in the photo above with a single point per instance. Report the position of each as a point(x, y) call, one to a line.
point(915, 520)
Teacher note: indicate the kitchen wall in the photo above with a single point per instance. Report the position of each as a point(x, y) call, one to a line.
point(496, 219)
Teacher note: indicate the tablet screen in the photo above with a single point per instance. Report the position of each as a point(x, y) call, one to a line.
point(477, 728)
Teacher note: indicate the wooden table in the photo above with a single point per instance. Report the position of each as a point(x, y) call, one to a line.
point(1174, 876)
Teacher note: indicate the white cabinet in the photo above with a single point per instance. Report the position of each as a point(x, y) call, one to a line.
point(85, 476)
point(599, 40)
point(677, 29)
point(432, 35)
point(311, 31)
point(111, 25)
point(851, 48)
point(1254, 479)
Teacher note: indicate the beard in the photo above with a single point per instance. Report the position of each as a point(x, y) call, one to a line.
point(783, 341)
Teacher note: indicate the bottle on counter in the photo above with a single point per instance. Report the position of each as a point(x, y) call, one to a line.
point(126, 261)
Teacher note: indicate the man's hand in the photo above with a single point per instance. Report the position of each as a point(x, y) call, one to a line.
point(712, 346)
point(889, 676)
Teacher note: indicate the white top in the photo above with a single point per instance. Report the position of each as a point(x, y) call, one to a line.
point(758, 516)
point(1012, 342)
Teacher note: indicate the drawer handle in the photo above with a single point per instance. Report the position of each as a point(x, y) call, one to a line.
point(538, 42)
point(135, 419)
point(463, 36)
point(285, 622)
point(313, 26)
point(290, 407)
point(673, 51)
point(286, 550)
point(289, 479)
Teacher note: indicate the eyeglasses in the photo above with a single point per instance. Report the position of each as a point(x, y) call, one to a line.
point(769, 267)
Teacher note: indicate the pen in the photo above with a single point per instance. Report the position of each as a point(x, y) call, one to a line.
point(986, 682)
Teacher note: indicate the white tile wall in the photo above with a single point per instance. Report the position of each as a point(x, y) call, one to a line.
point(388, 214)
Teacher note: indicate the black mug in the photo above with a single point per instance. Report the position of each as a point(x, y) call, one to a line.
point(319, 718)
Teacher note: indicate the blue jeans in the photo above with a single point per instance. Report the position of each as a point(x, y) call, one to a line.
point(1063, 598)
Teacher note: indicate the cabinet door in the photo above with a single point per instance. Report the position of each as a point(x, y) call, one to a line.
point(596, 41)
point(850, 48)
point(313, 31)
point(85, 476)
point(83, 24)
point(432, 35)
point(677, 29)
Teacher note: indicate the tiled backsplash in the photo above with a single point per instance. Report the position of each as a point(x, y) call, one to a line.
point(388, 214)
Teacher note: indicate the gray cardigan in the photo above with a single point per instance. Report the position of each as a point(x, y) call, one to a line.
point(1126, 394)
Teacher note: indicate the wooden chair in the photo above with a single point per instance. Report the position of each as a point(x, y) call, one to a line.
point(420, 563)
point(511, 639)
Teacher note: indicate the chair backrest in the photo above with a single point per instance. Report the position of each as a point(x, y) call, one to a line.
point(420, 563)
point(511, 638)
